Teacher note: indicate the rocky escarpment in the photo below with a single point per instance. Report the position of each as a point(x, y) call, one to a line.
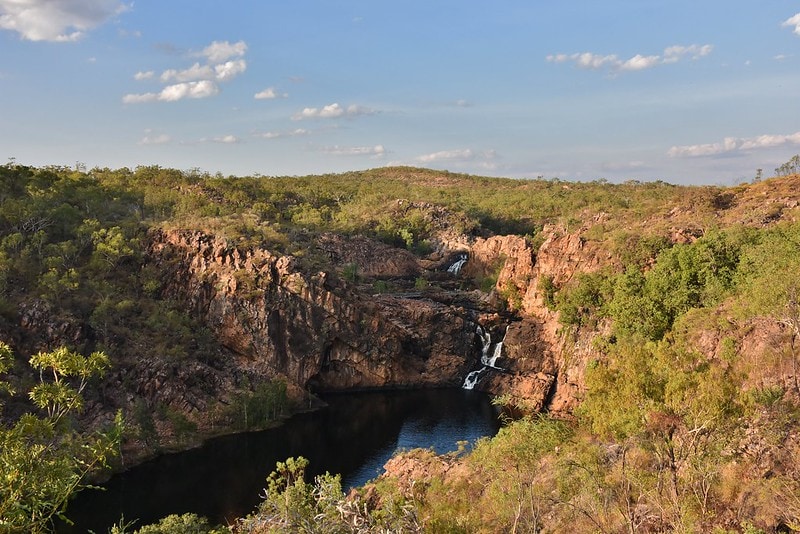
point(315, 329)
point(539, 368)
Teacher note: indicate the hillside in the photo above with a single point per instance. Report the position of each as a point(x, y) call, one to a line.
point(650, 331)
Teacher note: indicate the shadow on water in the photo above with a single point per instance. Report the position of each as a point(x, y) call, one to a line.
point(354, 436)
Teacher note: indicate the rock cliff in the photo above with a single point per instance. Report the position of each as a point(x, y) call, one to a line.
point(539, 368)
point(315, 329)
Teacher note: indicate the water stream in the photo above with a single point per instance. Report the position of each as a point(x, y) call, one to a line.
point(487, 361)
point(455, 269)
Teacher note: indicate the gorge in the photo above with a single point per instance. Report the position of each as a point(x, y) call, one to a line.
point(641, 332)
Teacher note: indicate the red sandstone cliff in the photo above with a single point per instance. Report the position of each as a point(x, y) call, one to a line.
point(542, 369)
point(315, 329)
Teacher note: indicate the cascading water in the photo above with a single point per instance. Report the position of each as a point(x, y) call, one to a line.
point(456, 267)
point(486, 361)
point(498, 350)
point(472, 378)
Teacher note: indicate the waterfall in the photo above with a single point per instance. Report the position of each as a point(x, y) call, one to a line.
point(498, 350)
point(486, 361)
point(456, 267)
point(472, 378)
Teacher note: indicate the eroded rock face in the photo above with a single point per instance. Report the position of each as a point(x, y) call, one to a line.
point(374, 259)
point(540, 368)
point(315, 329)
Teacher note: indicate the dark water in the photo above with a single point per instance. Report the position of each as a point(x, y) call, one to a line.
point(222, 480)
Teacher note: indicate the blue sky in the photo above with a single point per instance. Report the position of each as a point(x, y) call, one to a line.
point(683, 91)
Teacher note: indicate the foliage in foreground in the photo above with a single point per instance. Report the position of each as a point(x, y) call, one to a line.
point(43, 461)
point(661, 442)
point(668, 438)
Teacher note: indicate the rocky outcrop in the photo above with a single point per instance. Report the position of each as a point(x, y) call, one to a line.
point(369, 257)
point(540, 368)
point(315, 329)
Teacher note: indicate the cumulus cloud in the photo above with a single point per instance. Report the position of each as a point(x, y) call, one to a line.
point(376, 151)
point(734, 144)
point(333, 111)
point(639, 62)
point(219, 51)
point(195, 72)
point(198, 80)
point(613, 63)
point(269, 94)
point(673, 54)
point(221, 72)
point(229, 70)
point(278, 135)
point(57, 21)
point(178, 91)
point(793, 22)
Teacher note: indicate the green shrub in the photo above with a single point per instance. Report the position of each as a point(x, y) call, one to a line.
point(548, 290)
point(179, 524)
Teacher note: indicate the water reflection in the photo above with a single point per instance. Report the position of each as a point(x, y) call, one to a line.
point(222, 479)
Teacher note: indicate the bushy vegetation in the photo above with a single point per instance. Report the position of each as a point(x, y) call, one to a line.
point(670, 435)
point(43, 459)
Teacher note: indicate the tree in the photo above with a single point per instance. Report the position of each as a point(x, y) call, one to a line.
point(771, 288)
point(790, 167)
point(43, 461)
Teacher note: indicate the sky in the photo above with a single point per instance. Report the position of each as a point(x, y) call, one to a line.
point(690, 92)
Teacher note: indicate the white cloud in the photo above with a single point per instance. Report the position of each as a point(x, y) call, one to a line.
point(269, 93)
point(588, 60)
point(734, 144)
point(466, 154)
point(673, 54)
point(56, 20)
point(222, 72)
point(178, 91)
point(333, 111)
point(193, 73)
point(639, 62)
point(140, 98)
point(781, 57)
point(198, 80)
point(374, 151)
point(612, 62)
point(230, 69)
point(793, 21)
point(278, 135)
point(160, 139)
point(219, 51)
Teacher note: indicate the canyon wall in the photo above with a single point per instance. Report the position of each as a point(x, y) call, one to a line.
point(317, 330)
point(540, 369)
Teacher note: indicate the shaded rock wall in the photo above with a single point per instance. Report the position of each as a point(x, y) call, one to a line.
point(542, 369)
point(314, 329)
